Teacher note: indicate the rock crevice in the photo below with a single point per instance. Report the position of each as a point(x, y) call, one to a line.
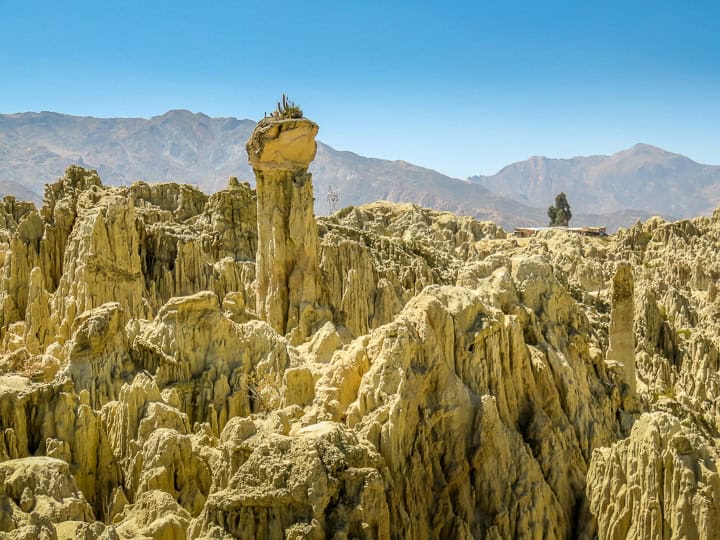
point(177, 365)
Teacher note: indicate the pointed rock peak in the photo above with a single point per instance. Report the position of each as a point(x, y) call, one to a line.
point(645, 153)
point(642, 149)
point(648, 148)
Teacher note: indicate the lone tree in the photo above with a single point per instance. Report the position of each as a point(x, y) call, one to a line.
point(560, 213)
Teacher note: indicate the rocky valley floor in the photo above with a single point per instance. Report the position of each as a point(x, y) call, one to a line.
point(460, 383)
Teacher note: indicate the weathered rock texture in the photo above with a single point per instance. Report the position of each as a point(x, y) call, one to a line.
point(622, 335)
point(288, 287)
point(661, 482)
point(391, 372)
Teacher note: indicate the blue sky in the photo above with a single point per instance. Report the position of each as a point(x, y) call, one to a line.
point(461, 87)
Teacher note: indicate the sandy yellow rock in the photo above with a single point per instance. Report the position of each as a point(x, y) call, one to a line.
point(660, 482)
point(282, 144)
point(154, 516)
point(40, 488)
point(622, 333)
point(288, 287)
point(415, 374)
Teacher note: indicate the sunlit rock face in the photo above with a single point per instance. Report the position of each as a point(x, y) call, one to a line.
point(288, 287)
point(282, 144)
point(387, 372)
point(660, 482)
point(622, 335)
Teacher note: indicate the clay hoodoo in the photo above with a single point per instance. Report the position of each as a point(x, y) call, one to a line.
point(280, 150)
point(622, 337)
point(460, 383)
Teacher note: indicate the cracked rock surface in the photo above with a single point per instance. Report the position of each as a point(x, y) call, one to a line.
point(458, 383)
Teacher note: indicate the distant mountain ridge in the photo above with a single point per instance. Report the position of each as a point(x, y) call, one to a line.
point(181, 146)
point(643, 177)
point(176, 146)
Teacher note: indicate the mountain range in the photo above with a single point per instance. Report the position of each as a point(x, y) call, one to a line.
point(643, 177)
point(182, 146)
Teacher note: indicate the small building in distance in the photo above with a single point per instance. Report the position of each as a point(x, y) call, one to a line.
point(525, 232)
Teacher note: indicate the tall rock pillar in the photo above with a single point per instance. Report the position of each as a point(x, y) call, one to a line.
point(622, 336)
point(280, 151)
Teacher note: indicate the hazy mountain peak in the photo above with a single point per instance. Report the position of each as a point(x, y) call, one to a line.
point(180, 114)
point(643, 177)
point(646, 151)
point(644, 147)
point(183, 146)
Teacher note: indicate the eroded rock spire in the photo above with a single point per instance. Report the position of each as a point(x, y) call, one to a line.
point(622, 337)
point(280, 150)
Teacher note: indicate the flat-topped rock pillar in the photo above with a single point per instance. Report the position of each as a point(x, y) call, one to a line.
point(280, 151)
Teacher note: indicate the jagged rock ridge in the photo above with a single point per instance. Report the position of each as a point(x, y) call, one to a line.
point(454, 382)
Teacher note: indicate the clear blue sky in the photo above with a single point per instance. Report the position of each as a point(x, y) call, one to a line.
point(462, 87)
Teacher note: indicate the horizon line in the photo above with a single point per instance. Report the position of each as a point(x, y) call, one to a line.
point(466, 179)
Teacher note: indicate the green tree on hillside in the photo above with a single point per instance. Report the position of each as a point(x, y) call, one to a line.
point(560, 213)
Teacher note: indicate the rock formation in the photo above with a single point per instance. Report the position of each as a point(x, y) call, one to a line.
point(387, 372)
point(621, 334)
point(661, 482)
point(280, 151)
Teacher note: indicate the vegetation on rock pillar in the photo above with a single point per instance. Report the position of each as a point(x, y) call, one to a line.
point(560, 213)
point(280, 149)
point(287, 109)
